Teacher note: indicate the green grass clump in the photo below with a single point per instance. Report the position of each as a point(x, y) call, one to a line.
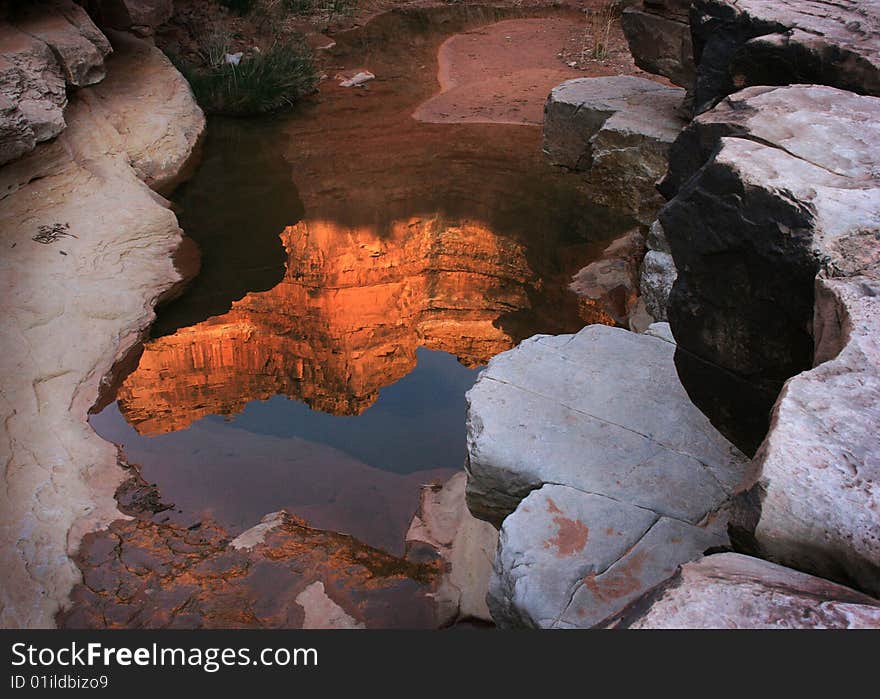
point(260, 83)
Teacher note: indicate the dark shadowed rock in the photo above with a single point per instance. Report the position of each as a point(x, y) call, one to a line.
point(612, 476)
point(139, 16)
point(739, 43)
point(732, 591)
point(618, 130)
point(659, 37)
point(773, 185)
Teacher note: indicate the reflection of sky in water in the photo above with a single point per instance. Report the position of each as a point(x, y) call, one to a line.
point(355, 474)
point(411, 427)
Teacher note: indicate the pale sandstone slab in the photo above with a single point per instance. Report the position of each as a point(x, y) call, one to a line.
point(554, 410)
point(732, 591)
point(69, 318)
point(820, 464)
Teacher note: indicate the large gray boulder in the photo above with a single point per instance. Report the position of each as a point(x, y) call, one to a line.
point(732, 591)
point(659, 37)
point(618, 130)
point(44, 47)
point(740, 43)
point(772, 186)
point(612, 476)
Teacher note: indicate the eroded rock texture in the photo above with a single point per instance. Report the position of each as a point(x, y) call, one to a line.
point(618, 130)
point(45, 47)
point(820, 463)
point(612, 476)
point(71, 309)
point(740, 43)
point(773, 185)
point(732, 591)
point(659, 37)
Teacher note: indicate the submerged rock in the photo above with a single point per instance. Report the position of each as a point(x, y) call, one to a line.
point(732, 591)
point(145, 574)
point(611, 483)
point(618, 130)
point(773, 185)
point(740, 43)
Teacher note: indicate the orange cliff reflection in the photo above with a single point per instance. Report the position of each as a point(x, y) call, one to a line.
point(354, 305)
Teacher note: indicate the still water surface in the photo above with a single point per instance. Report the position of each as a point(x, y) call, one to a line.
point(358, 267)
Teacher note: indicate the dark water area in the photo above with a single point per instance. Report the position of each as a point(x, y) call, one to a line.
point(234, 208)
point(358, 268)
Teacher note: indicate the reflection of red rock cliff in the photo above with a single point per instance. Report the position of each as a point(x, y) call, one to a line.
point(346, 320)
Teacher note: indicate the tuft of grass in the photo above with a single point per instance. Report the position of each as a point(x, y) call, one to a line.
point(262, 82)
point(601, 23)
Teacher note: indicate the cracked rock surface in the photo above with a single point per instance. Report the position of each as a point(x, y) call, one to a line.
point(45, 46)
point(771, 187)
point(732, 591)
point(618, 130)
point(605, 476)
point(71, 309)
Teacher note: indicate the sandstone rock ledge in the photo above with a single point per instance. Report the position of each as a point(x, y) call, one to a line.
point(612, 476)
point(618, 130)
point(75, 306)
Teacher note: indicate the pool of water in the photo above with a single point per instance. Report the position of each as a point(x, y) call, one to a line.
point(358, 268)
